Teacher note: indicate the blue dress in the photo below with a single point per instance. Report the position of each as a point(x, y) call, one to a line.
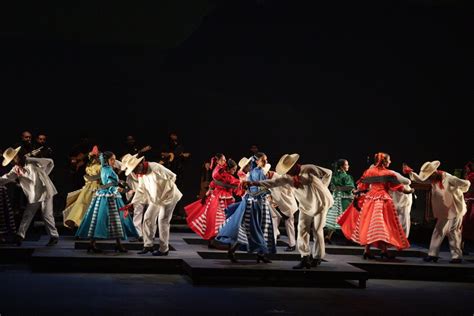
point(250, 221)
point(103, 219)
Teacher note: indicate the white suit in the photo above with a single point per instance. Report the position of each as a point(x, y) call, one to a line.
point(39, 190)
point(314, 199)
point(449, 207)
point(158, 190)
point(403, 203)
point(284, 198)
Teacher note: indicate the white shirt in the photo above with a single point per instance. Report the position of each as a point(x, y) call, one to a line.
point(33, 178)
point(447, 202)
point(157, 186)
point(284, 197)
point(314, 196)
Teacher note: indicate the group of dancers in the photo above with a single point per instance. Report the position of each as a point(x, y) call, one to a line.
point(374, 211)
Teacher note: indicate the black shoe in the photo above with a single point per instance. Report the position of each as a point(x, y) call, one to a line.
point(263, 258)
point(328, 241)
point(210, 244)
point(385, 254)
point(146, 250)
point(93, 249)
point(430, 259)
point(231, 256)
point(160, 254)
point(290, 248)
point(120, 248)
point(368, 255)
point(316, 262)
point(52, 241)
point(304, 263)
point(458, 260)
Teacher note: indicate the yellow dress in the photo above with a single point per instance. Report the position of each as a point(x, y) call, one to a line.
point(77, 202)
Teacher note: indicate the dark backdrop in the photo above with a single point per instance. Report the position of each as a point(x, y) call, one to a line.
point(324, 79)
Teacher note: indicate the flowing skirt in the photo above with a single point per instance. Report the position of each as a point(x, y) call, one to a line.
point(103, 219)
point(377, 222)
point(205, 219)
point(250, 225)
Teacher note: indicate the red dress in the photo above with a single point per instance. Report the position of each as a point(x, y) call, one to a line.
point(205, 219)
point(348, 219)
point(468, 220)
point(377, 220)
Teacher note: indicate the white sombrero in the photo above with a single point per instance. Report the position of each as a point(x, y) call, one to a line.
point(131, 163)
point(266, 168)
point(428, 169)
point(243, 162)
point(286, 163)
point(9, 154)
point(124, 160)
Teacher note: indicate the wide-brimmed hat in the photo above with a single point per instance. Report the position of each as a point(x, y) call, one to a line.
point(286, 162)
point(124, 160)
point(131, 163)
point(244, 161)
point(266, 168)
point(9, 154)
point(428, 169)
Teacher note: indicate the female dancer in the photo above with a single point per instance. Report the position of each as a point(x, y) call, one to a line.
point(78, 201)
point(341, 186)
point(206, 215)
point(102, 220)
point(251, 223)
point(378, 223)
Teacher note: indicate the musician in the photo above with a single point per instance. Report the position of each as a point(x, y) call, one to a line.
point(25, 142)
point(41, 148)
point(174, 156)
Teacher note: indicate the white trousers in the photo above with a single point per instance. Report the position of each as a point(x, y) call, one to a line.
point(289, 225)
point(138, 212)
point(162, 214)
point(447, 227)
point(405, 221)
point(306, 224)
point(48, 218)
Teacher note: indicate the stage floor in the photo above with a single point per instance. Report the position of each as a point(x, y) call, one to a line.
point(190, 256)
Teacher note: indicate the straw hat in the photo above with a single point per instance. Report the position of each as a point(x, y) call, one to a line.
point(286, 163)
point(124, 160)
point(9, 154)
point(131, 163)
point(266, 168)
point(428, 169)
point(243, 162)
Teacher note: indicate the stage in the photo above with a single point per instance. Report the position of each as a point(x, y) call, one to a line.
point(190, 256)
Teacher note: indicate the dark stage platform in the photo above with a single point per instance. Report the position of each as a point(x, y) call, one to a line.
point(191, 256)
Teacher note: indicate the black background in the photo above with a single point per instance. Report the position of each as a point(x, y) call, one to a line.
point(329, 80)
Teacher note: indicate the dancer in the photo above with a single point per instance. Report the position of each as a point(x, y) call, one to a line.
point(284, 206)
point(32, 174)
point(156, 188)
point(250, 226)
point(378, 223)
point(341, 186)
point(403, 203)
point(468, 220)
point(78, 202)
point(103, 219)
point(449, 207)
point(310, 183)
point(205, 216)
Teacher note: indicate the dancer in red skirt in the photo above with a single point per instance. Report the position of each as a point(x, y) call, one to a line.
point(377, 223)
point(205, 216)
